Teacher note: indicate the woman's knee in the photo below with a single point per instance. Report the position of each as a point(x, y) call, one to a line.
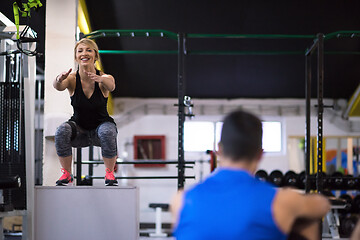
point(107, 134)
point(63, 132)
point(63, 140)
point(107, 131)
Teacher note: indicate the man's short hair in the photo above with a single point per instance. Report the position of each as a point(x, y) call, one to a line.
point(241, 136)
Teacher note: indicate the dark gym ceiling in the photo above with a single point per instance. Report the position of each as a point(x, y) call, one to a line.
point(227, 76)
point(207, 76)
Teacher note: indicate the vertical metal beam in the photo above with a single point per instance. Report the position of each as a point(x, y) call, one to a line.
point(181, 113)
point(356, 173)
point(29, 76)
point(1, 229)
point(3, 61)
point(338, 154)
point(78, 166)
point(18, 74)
point(91, 158)
point(307, 123)
point(320, 82)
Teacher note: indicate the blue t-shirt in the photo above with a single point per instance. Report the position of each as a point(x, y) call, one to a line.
point(228, 205)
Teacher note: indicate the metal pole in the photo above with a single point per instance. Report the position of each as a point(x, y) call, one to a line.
point(181, 113)
point(307, 124)
point(78, 166)
point(139, 162)
point(19, 60)
point(319, 182)
point(357, 158)
point(91, 158)
point(312, 48)
point(147, 177)
point(9, 105)
point(29, 75)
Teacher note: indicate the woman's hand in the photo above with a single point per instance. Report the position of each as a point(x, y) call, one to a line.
point(107, 81)
point(61, 83)
point(62, 76)
point(94, 77)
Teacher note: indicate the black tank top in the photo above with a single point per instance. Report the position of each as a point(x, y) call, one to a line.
point(89, 113)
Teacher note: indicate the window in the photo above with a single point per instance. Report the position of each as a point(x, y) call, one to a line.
point(271, 136)
point(202, 136)
point(198, 136)
point(218, 127)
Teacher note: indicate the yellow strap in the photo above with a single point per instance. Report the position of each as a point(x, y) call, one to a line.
point(25, 13)
point(16, 18)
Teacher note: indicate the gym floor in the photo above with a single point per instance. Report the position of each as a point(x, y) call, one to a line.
point(141, 238)
point(157, 238)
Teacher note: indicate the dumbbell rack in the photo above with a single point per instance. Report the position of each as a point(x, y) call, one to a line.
point(343, 215)
point(334, 183)
point(317, 48)
point(319, 181)
point(291, 179)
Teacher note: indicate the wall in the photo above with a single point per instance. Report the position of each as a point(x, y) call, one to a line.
point(150, 191)
point(156, 123)
point(60, 40)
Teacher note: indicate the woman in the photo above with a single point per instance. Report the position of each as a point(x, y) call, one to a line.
point(90, 124)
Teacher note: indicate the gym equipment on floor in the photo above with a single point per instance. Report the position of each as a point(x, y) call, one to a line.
point(356, 204)
point(347, 225)
point(159, 207)
point(337, 181)
point(84, 212)
point(7, 209)
point(291, 179)
point(10, 182)
point(349, 207)
point(261, 175)
point(331, 223)
point(276, 177)
point(17, 148)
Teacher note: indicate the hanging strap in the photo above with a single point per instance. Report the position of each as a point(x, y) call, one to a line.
point(25, 12)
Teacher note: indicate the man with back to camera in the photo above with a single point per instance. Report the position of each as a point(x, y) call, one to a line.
point(232, 204)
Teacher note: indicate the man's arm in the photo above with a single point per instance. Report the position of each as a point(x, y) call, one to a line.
point(175, 206)
point(304, 228)
point(355, 235)
point(301, 213)
point(313, 206)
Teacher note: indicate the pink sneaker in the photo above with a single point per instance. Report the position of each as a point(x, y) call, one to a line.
point(65, 179)
point(110, 179)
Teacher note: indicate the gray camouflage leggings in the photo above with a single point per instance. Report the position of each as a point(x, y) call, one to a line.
point(103, 136)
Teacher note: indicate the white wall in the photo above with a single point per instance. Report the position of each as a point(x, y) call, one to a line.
point(59, 44)
point(153, 191)
point(294, 126)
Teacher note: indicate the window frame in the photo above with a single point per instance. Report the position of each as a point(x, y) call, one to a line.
point(263, 119)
